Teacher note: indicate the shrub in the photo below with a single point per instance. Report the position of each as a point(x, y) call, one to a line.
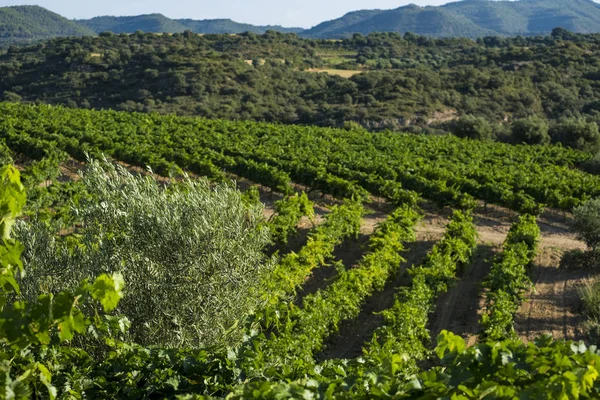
point(589, 293)
point(576, 133)
point(587, 223)
point(592, 165)
point(192, 252)
point(530, 130)
point(473, 128)
point(590, 296)
point(11, 96)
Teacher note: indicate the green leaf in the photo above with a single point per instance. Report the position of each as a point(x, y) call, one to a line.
point(46, 378)
point(108, 290)
point(449, 342)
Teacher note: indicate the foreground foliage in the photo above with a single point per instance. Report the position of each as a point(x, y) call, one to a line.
point(193, 254)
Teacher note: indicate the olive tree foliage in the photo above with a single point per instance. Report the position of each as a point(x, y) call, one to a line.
point(473, 127)
point(587, 223)
point(532, 130)
point(192, 254)
point(576, 133)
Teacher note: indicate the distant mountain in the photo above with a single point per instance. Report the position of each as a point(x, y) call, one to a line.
point(229, 26)
point(159, 23)
point(469, 18)
point(146, 23)
point(26, 24)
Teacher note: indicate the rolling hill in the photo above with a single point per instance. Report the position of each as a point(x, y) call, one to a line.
point(26, 24)
point(159, 23)
point(469, 18)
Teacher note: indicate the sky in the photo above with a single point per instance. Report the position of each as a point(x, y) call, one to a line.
point(302, 13)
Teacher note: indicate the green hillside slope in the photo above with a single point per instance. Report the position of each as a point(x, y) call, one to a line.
point(26, 24)
point(158, 23)
point(470, 18)
point(146, 23)
point(431, 21)
point(229, 26)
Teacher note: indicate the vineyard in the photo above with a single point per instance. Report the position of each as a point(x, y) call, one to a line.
point(370, 250)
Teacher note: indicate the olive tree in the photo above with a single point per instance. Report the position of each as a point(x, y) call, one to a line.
point(532, 130)
point(587, 223)
point(473, 127)
point(191, 254)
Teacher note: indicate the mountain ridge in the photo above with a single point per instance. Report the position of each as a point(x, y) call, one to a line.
point(27, 24)
point(469, 18)
point(466, 18)
point(158, 23)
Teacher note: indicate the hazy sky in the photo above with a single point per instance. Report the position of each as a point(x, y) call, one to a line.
point(303, 13)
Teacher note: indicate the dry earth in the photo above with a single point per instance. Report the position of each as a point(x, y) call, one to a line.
point(344, 73)
point(550, 307)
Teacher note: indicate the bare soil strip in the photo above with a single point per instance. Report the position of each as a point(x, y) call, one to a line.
point(349, 253)
point(553, 306)
point(459, 310)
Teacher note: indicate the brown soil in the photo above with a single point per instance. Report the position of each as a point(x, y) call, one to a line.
point(550, 307)
point(553, 306)
point(459, 310)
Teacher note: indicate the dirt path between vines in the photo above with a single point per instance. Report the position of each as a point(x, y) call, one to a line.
point(553, 306)
point(353, 334)
point(550, 307)
point(460, 308)
point(349, 254)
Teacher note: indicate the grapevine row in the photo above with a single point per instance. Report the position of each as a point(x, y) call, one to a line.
point(509, 279)
point(289, 211)
point(304, 329)
point(293, 269)
point(405, 328)
point(345, 163)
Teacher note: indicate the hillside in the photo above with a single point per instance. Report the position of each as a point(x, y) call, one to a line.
point(228, 26)
point(158, 23)
point(469, 18)
point(25, 24)
point(146, 23)
point(395, 83)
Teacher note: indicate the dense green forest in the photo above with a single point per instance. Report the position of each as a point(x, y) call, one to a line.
point(405, 82)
